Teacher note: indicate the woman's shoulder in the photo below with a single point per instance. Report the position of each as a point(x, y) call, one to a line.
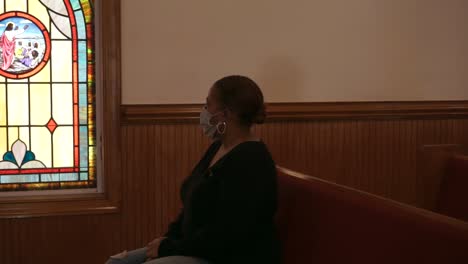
point(252, 152)
point(250, 160)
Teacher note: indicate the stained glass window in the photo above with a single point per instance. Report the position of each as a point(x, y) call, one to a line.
point(47, 95)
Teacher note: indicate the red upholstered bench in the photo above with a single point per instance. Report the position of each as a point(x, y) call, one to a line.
point(453, 196)
point(322, 222)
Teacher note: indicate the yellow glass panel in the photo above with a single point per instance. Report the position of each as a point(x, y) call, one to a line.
point(2, 106)
point(40, 104)
point(41, 145)
point(2, 79)
point(43, 75)
point(91, 154)
point(17, 5)
point(18, 109)
point(17, 80)
point(1, 6)
point(3, 141)
point(63, 147)
point(39, 11)
point(12, 136)
point(62, 104)
point(91, 130)
point(55, 33)
point(61, 61)
point(24, 136)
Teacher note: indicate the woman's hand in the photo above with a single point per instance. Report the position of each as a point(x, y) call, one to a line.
point(153, 247)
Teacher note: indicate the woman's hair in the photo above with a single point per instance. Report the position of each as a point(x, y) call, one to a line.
point(242, 96)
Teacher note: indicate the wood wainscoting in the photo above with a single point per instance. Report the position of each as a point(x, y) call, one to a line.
point(374, 147)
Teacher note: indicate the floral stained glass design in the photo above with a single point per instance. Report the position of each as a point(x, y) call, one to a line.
point(47, 95)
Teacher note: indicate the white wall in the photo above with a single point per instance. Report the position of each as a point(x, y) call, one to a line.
point(297, 50)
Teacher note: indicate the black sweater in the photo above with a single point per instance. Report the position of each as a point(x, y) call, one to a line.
point(228, 209)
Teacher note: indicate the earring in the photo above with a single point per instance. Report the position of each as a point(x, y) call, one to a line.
point(223, 130)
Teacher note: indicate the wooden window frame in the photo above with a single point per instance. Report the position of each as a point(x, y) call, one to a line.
point(109, 200)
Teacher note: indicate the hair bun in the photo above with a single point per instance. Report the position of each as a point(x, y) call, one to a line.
point(260, 116)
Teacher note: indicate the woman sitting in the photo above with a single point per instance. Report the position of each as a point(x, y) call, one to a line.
point(230, 199)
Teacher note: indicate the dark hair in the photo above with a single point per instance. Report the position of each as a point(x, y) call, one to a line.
point(9, 26)
point(35, 53)
point(241, 95)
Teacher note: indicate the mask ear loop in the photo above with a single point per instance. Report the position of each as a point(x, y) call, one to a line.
point(221, 127)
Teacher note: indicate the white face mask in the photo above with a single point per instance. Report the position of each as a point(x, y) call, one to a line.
point(208, 129)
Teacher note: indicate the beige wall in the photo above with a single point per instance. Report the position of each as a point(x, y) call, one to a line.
point(297, 50)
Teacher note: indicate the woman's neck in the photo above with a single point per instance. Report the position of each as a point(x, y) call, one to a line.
point(235, 136)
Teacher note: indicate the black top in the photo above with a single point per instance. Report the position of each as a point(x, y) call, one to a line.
point(228, 209)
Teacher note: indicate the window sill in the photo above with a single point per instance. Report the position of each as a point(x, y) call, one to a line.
point(27, 207)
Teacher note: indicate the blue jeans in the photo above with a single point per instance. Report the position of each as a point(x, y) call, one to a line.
point(138, 256)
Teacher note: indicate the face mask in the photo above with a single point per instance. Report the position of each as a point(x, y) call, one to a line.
point(208, 129)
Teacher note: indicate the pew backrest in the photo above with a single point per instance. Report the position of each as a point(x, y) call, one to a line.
point(323, 222)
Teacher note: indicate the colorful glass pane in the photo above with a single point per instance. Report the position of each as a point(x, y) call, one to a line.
point(47, 100)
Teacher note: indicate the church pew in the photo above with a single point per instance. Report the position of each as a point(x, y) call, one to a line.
point(323, 222)
point(452, 199)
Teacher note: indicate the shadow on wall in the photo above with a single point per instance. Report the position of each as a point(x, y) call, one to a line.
point(282, 79)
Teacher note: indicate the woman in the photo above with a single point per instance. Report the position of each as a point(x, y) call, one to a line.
point(229, 200)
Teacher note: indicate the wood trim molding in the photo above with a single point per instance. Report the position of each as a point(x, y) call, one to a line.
point(174, 113)
point(109, 74)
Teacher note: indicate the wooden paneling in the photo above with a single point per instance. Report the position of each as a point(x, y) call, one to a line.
point(374, 153)
point(59, 239)
point(377, 156)
point(372, 146)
